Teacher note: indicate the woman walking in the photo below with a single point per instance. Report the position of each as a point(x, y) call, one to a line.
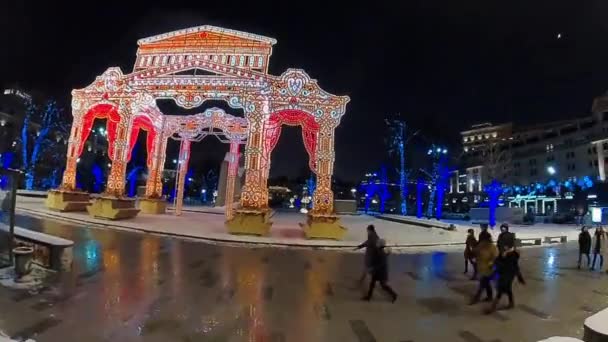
point(599, 246)
point(379, 271)
point(584, 246)
point(369, 245)
point(485, 253)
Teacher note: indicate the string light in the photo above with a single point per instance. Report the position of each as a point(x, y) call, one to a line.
point(239, 62)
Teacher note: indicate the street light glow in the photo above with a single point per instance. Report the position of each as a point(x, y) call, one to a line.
point(551, 170)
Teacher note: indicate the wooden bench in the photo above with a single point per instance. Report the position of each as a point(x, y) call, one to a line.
point(50, 251)
point(519, 242)
point(552, 239)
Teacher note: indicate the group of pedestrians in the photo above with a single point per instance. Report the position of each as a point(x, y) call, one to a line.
point(376, 264)
point(585, 244)
point(491, 260)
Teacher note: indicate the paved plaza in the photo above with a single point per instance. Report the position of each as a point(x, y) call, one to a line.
point(128, 286)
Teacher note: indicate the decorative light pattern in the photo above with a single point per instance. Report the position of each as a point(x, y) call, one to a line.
point(234, 66)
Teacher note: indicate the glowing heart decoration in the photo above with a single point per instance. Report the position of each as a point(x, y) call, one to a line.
point(295, 85)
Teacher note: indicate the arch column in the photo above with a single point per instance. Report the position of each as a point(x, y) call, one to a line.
point(322, 222)
point(253, 217)
point(69, 174)
point(233, 168)
point(67, 197)
point(120, 154)
point(153, 202)
point(112, 205)
point(184, 159)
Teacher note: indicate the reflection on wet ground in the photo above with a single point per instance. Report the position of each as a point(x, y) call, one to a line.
point(133, 287)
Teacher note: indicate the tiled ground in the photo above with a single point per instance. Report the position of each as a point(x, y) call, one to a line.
point(134, 287)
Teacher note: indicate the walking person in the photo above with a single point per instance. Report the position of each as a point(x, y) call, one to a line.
point(379, 271)
point(505, 238)
point(485, 254)
point(584, 246)
point(370, 245)
point(507, 268)
point(469, 254)
point(599, 247)
point(484, 234)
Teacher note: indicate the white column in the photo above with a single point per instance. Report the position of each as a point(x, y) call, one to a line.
point(600, 160)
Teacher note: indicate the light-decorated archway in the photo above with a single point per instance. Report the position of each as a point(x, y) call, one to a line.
point(234, 68)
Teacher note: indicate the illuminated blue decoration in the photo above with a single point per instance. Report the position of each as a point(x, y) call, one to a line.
point(132, 180)
point(442, 182)
point(376, 186)
point(419, 191)
point(494, 189)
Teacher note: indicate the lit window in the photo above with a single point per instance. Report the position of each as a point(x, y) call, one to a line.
point(466, 149)
point(142, 61)
point(172, 59)
point(464, 139)
point(232, 61)
point(215, 58)
point(260, 62)
point(223, 59)
point(242, 61)
point(479, 137)
point(494, 134)
point(164, 62)
point(251, 60)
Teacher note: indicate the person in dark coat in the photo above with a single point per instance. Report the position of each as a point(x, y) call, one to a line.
point(370, 245)
point(484, 235)
point(584, 246)
point(469, 254)
point(379, 262)
point(506, 239)
point(599, 246)
point(507, 268)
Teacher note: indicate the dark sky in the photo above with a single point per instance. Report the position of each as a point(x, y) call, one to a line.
point(442, 64)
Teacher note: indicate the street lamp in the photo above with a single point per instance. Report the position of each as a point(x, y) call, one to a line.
point(551, 170)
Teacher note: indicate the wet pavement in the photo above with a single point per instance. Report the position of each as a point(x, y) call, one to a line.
point(127, 286)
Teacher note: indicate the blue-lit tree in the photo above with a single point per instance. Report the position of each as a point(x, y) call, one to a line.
point(437, 179)
point(97, 172)
point(132, 179)
point(494, 189)
point(397, 142)
point(419, 193)
point(36, 141)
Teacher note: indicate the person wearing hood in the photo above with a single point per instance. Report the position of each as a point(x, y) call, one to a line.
point(584, 246)
point(379, 271)
point(506, 239)
point(370, 245)
point(599, 246)
point(485, 254)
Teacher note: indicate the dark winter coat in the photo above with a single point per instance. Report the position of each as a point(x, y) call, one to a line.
point(584, 242)
point(379, 264)
point(505, 240)
point(507, 268)
point(370, 245)
point(471, 243)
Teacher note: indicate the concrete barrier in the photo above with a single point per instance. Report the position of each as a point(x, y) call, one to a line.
point(596, 327)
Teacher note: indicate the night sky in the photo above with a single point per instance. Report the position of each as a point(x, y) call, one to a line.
point(442, 64)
